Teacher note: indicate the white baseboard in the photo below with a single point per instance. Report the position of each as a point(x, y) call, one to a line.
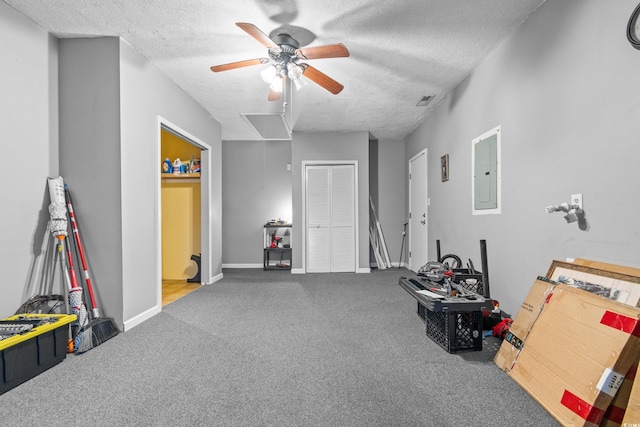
point(242, 265)
point(136, 320)
point(214, 279)
point(301, 271)
point(393, 265)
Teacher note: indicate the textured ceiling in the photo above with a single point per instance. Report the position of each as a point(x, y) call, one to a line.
point(401, 50)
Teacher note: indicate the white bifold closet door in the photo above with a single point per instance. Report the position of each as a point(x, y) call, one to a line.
point(330, 218)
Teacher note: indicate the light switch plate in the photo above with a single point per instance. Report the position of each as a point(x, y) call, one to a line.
point(576, 200)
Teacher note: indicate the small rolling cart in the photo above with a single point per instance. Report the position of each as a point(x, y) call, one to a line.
point(277, 246)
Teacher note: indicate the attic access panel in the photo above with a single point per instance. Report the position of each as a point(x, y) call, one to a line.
point(269, 126)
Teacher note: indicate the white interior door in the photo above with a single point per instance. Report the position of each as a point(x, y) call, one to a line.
point(342, 219)
point(330, 218)
point(418, 237)
point(318, 215)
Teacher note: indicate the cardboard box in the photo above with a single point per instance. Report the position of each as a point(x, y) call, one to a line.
point(625, 408)
point(570, 350)
point(614, 416)
point(632, 412)
point(522, 324)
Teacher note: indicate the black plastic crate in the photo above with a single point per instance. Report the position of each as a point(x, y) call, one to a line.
point(455, 331)
point(26, 355)
point(470, 281)
point(421, 311)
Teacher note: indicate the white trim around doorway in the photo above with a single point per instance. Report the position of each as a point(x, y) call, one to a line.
point(303, 251)
point(206, 245)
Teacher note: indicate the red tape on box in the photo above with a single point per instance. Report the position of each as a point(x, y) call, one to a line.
point(615, 414)
point(582, 408)
point(622, 323)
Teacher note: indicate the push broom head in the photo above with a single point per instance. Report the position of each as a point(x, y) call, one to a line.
point(95, 333)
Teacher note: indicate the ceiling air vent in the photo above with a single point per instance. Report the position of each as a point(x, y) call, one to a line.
point(424, 101)
point(269, 126)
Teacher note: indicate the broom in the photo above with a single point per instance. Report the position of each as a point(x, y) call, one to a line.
point(99, 329)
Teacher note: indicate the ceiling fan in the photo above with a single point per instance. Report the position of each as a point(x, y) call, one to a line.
point(285, 60)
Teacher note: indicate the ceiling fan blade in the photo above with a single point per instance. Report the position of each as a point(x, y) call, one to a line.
point(274, 95)
point(239, 64)
point(255, 32)
point(322, 79)
point(327, 51)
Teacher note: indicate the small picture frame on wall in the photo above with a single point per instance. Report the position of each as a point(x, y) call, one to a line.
point(444, 168)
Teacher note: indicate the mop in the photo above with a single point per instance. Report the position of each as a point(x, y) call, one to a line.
point(58, 228)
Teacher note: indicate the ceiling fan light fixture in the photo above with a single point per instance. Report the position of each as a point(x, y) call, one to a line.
point(294, 71)
point(285, 52)
point(269, 74)
point(300, 82)
point(276, 84)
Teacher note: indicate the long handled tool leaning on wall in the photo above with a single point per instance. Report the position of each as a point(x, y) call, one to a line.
point(404, 233)
point(45, 301)
point(58, 228)
point(99, 329)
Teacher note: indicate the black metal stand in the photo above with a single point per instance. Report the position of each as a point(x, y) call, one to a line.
point(196, 278)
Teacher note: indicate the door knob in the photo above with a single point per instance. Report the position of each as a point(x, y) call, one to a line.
point(423, 222)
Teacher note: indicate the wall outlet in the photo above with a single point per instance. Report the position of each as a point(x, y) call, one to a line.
point(576, 200)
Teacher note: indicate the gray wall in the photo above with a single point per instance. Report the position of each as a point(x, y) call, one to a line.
point(109, 107)
point(29, 141)
point(256, 188)
point(564, 88)
point(110, 101)
point(373, 186)
point(146, 94)
point(331, 146)
point(391, 195)
point(90, 158)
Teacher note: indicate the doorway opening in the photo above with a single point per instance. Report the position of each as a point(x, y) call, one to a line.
point(183, 213)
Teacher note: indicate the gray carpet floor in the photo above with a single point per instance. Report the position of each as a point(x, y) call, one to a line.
point(274, 349)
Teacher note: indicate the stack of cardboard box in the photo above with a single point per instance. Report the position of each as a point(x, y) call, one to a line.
point(575, 351)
